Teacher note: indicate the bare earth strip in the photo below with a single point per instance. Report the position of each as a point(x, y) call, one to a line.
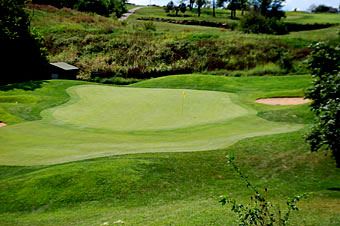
point(283, 101)
point(129, 13)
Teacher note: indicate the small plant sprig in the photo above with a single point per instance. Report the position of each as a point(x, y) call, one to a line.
point(261, 211)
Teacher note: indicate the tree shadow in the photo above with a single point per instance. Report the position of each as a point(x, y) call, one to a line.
point(334, 189)
point(28, 86)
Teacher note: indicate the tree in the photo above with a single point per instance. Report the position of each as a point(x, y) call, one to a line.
point(325, 93)
point(169, 7)
point(269, 8)
point(199, 4)
point(311, 8)
point(324, 9)
point(21, 57)
point(182, 8)
point(233, 5)
point(214, 7)
point(191, 4)
point(243, 6)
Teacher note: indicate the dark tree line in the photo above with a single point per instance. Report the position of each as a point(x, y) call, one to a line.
point(21, 58)
point(323, 9)
point(266, 8)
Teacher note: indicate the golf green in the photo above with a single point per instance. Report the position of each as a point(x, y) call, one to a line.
point(136, 109)
point(104, 120)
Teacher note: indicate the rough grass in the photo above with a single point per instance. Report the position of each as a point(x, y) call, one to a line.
point(106, 50)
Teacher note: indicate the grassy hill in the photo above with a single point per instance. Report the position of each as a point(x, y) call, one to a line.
point(110, 51)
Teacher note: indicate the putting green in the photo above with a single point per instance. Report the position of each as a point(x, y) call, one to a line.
point(138, 109)
point(104, 120)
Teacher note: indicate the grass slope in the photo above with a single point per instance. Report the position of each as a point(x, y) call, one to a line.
point(97, 122)
point(172, 188)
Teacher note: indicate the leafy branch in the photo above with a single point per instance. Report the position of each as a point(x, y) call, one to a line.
point(261, 211)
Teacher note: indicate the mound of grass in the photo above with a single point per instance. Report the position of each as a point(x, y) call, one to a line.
point(180, 188)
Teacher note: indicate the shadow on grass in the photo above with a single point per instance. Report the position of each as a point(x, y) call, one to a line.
point(28, 86)
point(333, 189)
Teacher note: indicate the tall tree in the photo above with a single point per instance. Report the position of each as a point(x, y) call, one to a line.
point(214, 7)
point(182, 7)
point(269, 8)
point(233, 5)
point(199, 4)
point(243, 6)
point(191, 4)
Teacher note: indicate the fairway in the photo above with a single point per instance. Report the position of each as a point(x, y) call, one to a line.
point(103, 120)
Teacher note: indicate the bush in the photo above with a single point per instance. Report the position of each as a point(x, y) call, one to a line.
point(325, 93)
point(324, 9)
point(149, 26)
point(256, 23)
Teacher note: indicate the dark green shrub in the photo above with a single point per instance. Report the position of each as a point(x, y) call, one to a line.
point(149, 26)
point(97, 6)
point(286, 61)
point(256, 23)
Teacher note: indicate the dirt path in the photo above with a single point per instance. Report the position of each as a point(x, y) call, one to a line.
point(129, 13)
point(283, 101)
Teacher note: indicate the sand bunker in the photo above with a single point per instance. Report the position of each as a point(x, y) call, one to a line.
point(283, 101)
point(2, 124)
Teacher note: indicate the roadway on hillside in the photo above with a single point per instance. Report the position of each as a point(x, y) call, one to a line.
point(129, 13)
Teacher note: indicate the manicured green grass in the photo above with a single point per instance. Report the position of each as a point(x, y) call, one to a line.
point(177, 188)
point(139, 109)
point(103, 120)
point(310, 18)
point(167, 188)
point(24, 101)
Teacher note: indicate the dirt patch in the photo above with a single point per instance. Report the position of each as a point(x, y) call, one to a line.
point(283, 101)
point(2, 124)
point(129, 13)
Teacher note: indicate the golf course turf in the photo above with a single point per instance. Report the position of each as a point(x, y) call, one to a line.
point(165, 186)
point(104, 120)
